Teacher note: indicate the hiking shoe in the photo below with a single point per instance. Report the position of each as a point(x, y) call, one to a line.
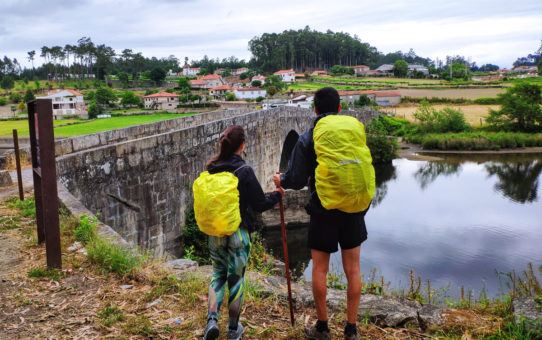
point(211, 330)
point(352, 337)
point(236, 334)
point(312, 333)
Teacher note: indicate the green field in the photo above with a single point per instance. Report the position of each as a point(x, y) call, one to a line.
point(87, 127)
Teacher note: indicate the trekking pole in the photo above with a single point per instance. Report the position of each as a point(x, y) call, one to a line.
point(287, 265)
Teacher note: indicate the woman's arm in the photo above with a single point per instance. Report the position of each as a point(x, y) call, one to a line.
point(259, 201)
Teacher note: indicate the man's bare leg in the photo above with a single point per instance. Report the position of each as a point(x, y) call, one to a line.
point(320, 265)
point(351, 268)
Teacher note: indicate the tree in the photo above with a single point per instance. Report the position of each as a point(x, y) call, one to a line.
point(123, 78)
point(15, 97)
point(458, 71)
point(28, 96)
point(38, 86)
point(94, 110)
point(21, 106)
point(271, 90)
point(276, 82)
point(520, 108)
point(362, 101)
point(105, 95)
point(129, 98)
point(184, 84)
point(230, 97)
point(31, 55)
point(7, 83)
point(400, 69)
point(104, 60)
point(338, 70)
point(256, 83)
point(158, 75)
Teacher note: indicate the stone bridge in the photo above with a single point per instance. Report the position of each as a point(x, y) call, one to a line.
point(138, 179)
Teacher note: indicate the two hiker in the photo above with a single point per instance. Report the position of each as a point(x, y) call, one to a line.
point(334, 161)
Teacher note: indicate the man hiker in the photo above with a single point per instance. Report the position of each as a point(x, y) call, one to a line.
point(333, 159)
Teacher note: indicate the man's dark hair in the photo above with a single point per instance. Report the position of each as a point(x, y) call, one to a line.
point(327, 100)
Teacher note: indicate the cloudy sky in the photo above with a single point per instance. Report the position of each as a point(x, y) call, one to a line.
point(487, 31)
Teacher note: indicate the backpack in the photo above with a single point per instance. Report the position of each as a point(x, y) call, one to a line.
point(344, 176)
point(216, 203)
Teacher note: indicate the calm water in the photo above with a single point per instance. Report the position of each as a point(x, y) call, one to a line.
point(455, 222)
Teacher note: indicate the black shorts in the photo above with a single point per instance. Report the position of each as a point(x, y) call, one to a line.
point(328, 230)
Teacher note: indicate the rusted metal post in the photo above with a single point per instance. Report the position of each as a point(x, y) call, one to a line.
point(32, 124)
point(18, 164)
point(44, 140)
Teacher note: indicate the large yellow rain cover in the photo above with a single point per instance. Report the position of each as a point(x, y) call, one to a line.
point(216, 203)
point(345, 177)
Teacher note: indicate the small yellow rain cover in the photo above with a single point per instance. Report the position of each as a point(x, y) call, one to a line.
point(216, 203)
point(345, 177)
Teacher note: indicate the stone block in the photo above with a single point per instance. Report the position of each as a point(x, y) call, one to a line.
point(5, 178)
point(85, 142)
point(181, 265)
point(63, 147)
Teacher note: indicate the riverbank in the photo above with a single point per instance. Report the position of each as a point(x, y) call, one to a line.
point(88, 300)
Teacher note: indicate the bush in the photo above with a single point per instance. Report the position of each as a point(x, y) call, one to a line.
point(113, 257)
point(486, 101)
point(445, 120)
point(94, 110)
point(259, 99)
point(194, 241)
point(230, 97)
point(15, 97)
point(3, 101)
point(383, 149)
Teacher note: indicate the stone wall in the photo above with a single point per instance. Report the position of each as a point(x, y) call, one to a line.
point(142, 187)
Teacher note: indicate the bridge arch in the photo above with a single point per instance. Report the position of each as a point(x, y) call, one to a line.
point(287, 149)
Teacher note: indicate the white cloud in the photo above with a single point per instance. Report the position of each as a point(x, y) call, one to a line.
point(486, 31)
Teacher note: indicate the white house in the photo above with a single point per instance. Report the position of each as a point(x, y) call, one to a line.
point(387, 98)
point(67, 102)
point(259, 77)
point(250, 93)
point(287, 76)
point(161, 100)
point(240, 71)
point(418, 68)
point(190, 71)
point(220, 91)
point(359, 69)
point(385, 68)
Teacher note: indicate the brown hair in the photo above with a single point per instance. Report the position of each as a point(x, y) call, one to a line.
point(230, 141)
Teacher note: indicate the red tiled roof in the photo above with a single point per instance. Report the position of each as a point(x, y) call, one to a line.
point(299, 75)
point(258, 77)
point(75, 93)
point(197, 82)
point(162, 94)
point(360, 66)
point(388, 94)
point(210, 77)
point(250, 89)
point(284, 71)
point(242, 69)
point(221, 87)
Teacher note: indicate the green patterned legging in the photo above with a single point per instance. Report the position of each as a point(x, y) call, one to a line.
point(230, 256)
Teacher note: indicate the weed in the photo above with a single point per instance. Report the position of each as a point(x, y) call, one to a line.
point(259, 260)
point(86, 231)
point(27, 208)
point(51, 273)
point(110, 315)
point(140, 325)
point(113, 257)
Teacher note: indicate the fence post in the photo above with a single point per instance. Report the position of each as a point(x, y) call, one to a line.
point(18, 164)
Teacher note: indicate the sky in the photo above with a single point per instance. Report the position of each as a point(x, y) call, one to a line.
point(486, 31)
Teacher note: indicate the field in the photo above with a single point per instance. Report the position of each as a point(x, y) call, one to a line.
point(472, 113)
point(88, 127)
point(452, 93)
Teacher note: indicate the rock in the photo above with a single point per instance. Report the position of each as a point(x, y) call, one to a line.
point(75, 246)
point(5, 178)
point(155, 302)
point(181, 264)
point(526, 311)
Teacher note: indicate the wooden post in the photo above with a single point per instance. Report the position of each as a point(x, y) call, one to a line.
point(18, 164)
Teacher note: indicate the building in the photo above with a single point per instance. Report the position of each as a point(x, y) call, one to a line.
point(385, 68)
point(220, 71)
point(190, 71)
point(351, 96)
point(161, 101)
point(240, 71)
point(287, 76)
point(525, 69)
point(319, 73)
point(208, 82)
point(220, 91)
point(418, 68)
point(359, 69)
point(388, 98)
point(250, 93)
point(258, 77)
point(67, 102)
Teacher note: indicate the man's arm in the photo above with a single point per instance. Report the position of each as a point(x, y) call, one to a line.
point(297, 175)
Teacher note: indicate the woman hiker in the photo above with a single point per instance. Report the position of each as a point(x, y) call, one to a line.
point(230, 253)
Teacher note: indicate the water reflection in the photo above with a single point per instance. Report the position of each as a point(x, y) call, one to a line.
point(517, 181)
point(444, 221)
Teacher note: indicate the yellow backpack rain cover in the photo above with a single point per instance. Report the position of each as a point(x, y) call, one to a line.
point(345, 177)
point(216, 203)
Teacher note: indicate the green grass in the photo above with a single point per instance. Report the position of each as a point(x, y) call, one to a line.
point(110, 315)
point(87, 127)
point(54, 274)
point(6, 127)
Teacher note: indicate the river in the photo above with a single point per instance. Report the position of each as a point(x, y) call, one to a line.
point(457, 222)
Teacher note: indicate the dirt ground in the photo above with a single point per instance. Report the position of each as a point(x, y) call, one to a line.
point(452, 93)
point(473, 113)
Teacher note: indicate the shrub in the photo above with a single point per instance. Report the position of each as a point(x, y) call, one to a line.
point(3, 101)
point(94, 110)
point(486, 101)
point(15, 97)
point(383, 149)
point(445, 120)
point(113, 257)
point(194, 241)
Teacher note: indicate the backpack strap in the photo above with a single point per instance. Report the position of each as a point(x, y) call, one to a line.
point(242, 166)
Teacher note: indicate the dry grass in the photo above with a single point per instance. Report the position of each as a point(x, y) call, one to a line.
point(452, 93)
point(473, 113)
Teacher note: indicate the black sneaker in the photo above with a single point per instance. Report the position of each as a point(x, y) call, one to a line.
point(236, 334)
point(312, 333)
point(211, 330)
